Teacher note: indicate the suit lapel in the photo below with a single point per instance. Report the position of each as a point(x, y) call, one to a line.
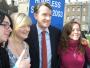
point(51, 41)
point(35, 35)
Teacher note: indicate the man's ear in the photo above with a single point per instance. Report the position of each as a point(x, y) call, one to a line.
point(35, 15)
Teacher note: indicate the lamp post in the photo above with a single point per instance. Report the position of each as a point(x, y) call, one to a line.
point(89, 15)
point(81, 7)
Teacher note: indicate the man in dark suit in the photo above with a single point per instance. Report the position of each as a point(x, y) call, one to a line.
point(42, 13)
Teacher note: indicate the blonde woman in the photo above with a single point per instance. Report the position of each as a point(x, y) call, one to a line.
point(17, 48)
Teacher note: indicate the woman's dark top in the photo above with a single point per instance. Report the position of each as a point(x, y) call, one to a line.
point(4, 59)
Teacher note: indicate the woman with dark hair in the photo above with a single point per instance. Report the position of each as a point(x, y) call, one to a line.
point(73, 47)
point(5, 29)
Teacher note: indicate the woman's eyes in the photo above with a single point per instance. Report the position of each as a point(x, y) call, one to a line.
point(25, 26)
point(75, 29)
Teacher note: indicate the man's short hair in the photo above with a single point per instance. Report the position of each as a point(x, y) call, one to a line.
point(36, 8)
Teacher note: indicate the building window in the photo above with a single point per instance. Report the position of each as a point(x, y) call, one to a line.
point(73, 9)
point(73, 17)
point(22, 1)
point(68, 18)
point(78, 9)
point(84, 9)
point(68, 9)
point(83, 18)
point(78, 17)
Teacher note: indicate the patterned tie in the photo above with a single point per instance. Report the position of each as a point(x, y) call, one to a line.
point(44, 51)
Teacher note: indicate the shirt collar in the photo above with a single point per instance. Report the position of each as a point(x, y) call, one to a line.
point(40, 30)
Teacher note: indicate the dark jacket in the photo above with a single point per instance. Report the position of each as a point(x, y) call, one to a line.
point(4, 58)
point(32, 40)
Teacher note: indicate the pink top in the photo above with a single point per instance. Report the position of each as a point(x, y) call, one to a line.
point(73, 58)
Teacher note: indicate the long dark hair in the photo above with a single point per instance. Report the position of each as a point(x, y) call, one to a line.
point(2, 16)
point(66, 31)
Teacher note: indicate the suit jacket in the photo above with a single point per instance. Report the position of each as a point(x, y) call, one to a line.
point(4, 58)
point(32, 40)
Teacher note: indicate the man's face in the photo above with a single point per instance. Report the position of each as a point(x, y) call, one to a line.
point(43, 17)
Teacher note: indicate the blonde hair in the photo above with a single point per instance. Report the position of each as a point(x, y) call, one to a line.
point(19, 20)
